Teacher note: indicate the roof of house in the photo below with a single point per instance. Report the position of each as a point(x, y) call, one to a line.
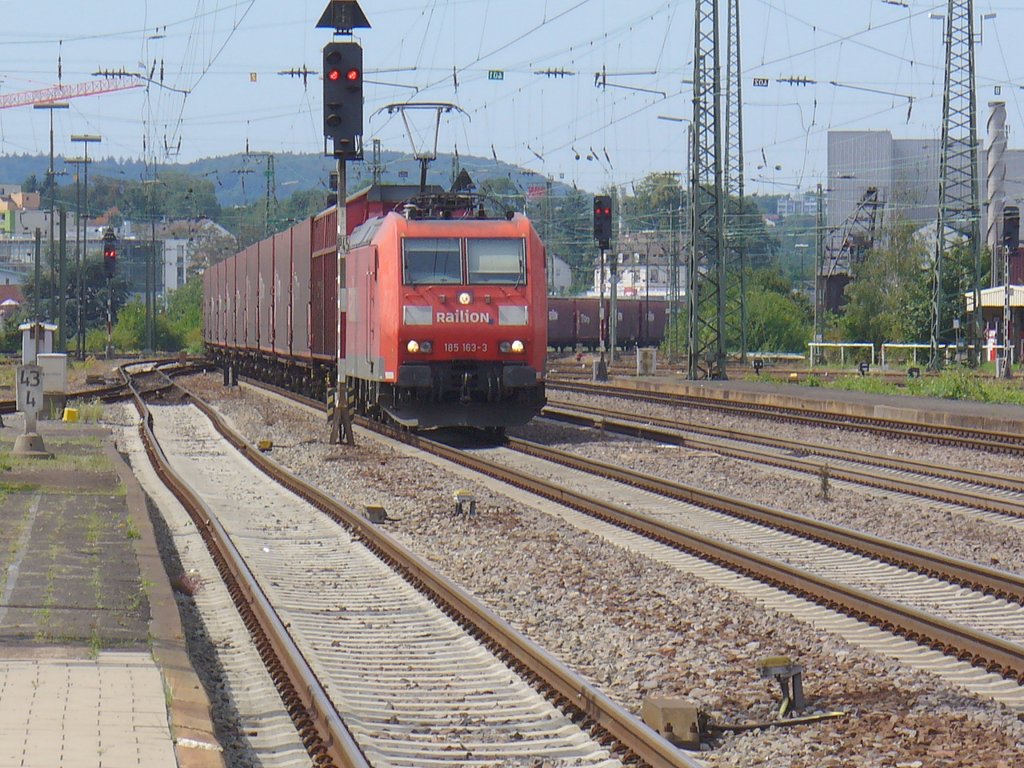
point(12, 292)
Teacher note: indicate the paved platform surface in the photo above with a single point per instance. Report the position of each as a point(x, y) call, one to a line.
point(89, 712)
point(93, 665)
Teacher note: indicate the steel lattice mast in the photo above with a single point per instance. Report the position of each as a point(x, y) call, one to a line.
point(736, 240)
point(958, 214)
point(706, 275)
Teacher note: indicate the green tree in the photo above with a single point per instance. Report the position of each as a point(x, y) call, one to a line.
point(502, 194)
point(173, 195)
point(776, 322)
point(748, 228)
point(130, 329)
point(889, 296)
point(778, 315)
point(657, 201)
point(184, 317)
point(566, 225)
point(301, 205)
point(94, 294)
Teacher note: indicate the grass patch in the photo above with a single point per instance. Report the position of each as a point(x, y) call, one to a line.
point(95, 644)
point(44, 613)
point(951, 384)
point(130, 531)
point(90, 412)
point(93, 528)
point(6, 488)
point(135, 603)
point(63, 460)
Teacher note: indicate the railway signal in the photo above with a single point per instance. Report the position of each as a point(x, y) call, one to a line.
point(343, 124)
point(343, 98)
point(109, 254)
point(1011, 227)
point(603, 220)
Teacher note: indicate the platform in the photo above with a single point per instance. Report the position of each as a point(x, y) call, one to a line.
point(972, 414)
point(93, 665)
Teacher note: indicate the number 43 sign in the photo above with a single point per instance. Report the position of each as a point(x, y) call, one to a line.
point(29, 389)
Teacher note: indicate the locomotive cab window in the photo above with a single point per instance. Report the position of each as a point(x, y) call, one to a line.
point(496, 261)
point(431, 261)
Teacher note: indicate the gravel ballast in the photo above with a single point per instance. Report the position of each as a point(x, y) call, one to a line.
point(636, 627)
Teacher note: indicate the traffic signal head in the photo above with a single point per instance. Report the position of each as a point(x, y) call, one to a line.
point(109, 253)
point(1011, 227)
point(603, 220)
point(343, 98)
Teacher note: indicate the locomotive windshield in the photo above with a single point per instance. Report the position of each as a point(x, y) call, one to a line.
point(496, 261)
point(431, 260)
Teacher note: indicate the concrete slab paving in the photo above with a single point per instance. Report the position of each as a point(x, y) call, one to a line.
point(103, 712)
point(93, 666)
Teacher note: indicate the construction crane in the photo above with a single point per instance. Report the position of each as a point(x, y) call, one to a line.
point(847, 245)
point(62, 92)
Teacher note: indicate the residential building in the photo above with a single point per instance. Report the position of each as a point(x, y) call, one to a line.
point(643, 264)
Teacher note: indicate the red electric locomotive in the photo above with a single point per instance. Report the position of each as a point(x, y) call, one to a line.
point(444, 314)
point(447, 320)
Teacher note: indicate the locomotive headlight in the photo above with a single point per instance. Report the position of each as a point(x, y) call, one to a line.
point(413, 346)
point(423, 347)
point(465, 298)
point(518, 346)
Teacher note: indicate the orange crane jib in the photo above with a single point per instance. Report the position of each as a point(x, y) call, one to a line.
point(61, 92)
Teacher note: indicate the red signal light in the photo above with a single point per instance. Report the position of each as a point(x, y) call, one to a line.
point(352, 75)
point(334, 74)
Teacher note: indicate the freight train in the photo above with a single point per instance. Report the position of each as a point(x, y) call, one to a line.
point(573, 323)
point(443, 320)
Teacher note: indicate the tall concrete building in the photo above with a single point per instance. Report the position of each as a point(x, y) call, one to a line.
point(906, 174)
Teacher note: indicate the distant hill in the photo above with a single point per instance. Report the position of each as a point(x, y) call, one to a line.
point(240, 179)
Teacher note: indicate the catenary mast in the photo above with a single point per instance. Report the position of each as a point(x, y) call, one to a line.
point(706, 285)
point(958, 214)
point(735, 237)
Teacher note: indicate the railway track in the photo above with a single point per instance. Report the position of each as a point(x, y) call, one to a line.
point(1002, 495)
point(989, 581)
point(148, 379)
point(681, 531)
point(976, 439)
point(387, 662)
point(933, 601)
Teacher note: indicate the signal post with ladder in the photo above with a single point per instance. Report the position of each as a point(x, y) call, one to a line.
point(343, 127)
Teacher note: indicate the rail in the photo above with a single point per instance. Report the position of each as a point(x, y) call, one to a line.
point(604, 716)
point(991, 653)
point(793, 455)
point(972, 575)
point(323, 733)
point(983, 440)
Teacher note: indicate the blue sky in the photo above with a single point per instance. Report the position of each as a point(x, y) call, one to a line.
point(870, 60)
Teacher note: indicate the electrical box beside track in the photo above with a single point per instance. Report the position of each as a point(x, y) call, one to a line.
point(675, 718)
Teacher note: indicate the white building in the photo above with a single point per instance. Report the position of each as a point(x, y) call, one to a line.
point(640, 273)
point(559, 276)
